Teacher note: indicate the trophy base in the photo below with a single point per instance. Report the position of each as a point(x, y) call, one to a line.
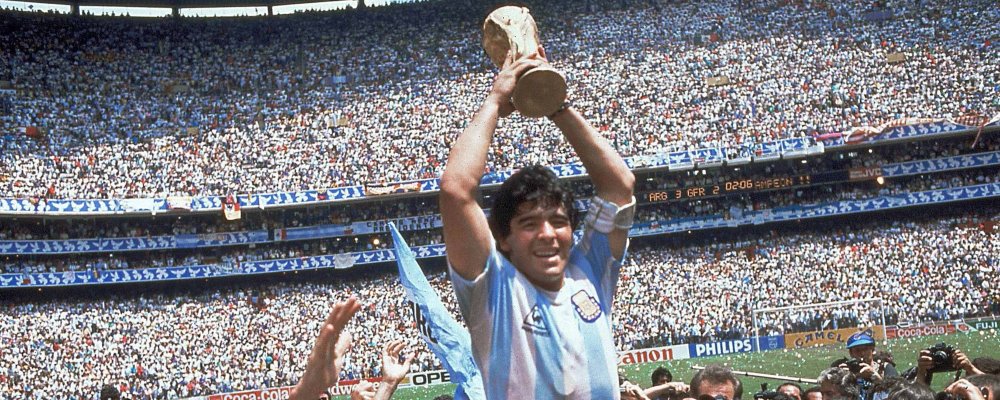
point(540, 92)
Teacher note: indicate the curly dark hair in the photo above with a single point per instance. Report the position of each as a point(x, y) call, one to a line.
point(531, 184)
point(109, 392)
point(661, 372)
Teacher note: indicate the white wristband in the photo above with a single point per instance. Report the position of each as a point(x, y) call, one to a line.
point(605, 216)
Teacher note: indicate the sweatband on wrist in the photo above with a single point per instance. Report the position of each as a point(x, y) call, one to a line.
point(605, 216)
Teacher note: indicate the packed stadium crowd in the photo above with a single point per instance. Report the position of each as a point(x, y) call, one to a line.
point(232, 338)
point(206, 107)
point(230, 258)
point(954, 268)
point(112, 107)
point(347, 213)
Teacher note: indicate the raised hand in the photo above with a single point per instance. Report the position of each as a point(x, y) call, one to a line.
point(506, 80)
point(327, 357)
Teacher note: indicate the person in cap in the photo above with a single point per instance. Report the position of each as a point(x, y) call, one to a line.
point(861, 346)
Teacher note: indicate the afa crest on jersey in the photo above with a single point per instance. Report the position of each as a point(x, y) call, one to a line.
point(586, 306)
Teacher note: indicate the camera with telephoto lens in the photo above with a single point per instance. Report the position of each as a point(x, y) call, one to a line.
point(942, 355)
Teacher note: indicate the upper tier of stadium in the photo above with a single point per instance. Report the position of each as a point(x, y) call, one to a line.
point(123, 108)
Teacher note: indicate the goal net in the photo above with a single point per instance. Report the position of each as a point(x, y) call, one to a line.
point(822, 323)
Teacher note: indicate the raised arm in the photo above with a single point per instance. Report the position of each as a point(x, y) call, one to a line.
point(467, 236)
point(393, 370)
point(612, 179)
point(327, 357)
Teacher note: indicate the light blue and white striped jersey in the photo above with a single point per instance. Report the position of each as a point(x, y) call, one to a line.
point(530, 343)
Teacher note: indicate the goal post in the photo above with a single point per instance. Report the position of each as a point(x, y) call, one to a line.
point(870, 312)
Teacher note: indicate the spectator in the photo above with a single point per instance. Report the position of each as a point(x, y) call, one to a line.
point(896, 388)
point(792, 390)
point(838, 384)
point(718, 382)
point(813, 393)
point(222, 126)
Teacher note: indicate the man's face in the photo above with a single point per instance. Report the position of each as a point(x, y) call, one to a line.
point(830, 390)
point(711, 389)
point(863, 353)
point(791, 391)
point(814, 396)
point(538, 244)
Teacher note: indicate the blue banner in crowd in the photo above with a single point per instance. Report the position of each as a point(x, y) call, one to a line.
point(346, 260)
point(897, 133)
point(423, 222)
point(131, 244)
point(942, 164)
point(434, 221)
point(678, 160)
point(817, 210)
point(649, 228)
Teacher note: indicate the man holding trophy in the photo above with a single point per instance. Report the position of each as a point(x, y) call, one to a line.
point(537, 305)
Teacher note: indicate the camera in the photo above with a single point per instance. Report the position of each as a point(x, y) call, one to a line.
point(854, 365)
point(947, 396)
point(942, 355)
point(765, 394)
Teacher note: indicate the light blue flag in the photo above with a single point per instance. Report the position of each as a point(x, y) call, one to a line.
point(445, 337)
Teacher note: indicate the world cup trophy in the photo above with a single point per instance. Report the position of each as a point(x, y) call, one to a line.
point(539, 92)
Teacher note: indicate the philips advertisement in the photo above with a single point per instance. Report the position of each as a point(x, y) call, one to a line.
point(735, 346)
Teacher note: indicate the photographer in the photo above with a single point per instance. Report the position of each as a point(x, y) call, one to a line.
point(663, 388)
point(975, 387)
point(791, 390)
point(110, 392)
point(861, 347)
point(987, 365)
point(943, 358)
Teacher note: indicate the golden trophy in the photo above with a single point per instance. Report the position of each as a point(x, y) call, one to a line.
point(541, 91)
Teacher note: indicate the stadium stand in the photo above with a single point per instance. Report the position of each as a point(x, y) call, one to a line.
point(255, 115)
point(121, 108)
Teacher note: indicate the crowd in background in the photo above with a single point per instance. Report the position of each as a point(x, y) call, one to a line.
point(132, 108)
point(233, 338)
point(343, 213)
point(231, 258)
point(126, 108)
point(923, 271)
